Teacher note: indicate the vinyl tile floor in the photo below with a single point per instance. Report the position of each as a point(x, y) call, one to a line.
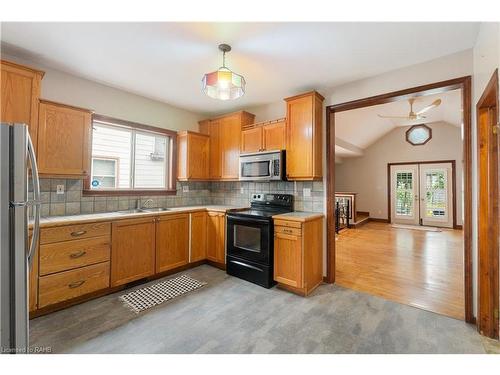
point(230, 315)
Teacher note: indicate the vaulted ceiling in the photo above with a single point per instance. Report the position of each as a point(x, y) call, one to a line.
point(357, 129)
point(166, 61)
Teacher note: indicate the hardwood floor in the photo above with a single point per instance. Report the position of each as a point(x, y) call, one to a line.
point(417, 268)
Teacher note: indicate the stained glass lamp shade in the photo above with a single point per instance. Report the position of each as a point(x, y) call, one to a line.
point(223, 84)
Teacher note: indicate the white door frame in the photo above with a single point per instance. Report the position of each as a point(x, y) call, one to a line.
point(413, 217)
point(408, 166)
point(447, 220)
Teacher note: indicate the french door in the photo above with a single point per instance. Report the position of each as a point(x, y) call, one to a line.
point(422, 194)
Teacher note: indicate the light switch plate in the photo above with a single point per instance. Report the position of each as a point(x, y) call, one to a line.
point(185, 188)
point(306, 192)
point(242, 191)
point(59, 189)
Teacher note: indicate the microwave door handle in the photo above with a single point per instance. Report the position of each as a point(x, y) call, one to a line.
point(271, 168)
point(36, 201)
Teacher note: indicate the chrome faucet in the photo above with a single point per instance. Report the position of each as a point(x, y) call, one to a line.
point(148, 203)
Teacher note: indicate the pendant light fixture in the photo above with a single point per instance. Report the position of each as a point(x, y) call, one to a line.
point(223, 84)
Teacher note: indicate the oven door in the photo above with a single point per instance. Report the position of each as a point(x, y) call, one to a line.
point(249, 238)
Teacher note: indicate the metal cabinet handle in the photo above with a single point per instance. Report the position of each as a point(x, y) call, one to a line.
point(78, 233)
point(76, 284)
point(78, 254)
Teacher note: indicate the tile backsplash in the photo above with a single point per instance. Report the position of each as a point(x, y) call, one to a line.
point(72, 201)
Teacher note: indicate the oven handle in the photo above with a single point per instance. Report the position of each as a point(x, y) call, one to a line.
point(247, 220)
point(246, 265)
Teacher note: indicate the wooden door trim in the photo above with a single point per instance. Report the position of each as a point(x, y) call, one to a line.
point(488, 246)
point(462, 83)
point(453, 184)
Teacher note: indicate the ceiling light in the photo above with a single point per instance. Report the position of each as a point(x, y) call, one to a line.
point(223, 84)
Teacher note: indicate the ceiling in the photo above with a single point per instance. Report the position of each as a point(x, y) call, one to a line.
point(357, 129)
point(166, 61)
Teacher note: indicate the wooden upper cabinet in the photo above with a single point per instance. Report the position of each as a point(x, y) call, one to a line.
point(132, 250)
point(225, 138)
point(304, 138)
point(274, 135)
point(198, 236)
point(264, 136)
point(193, 156)
point(63, 140)
point(212, 129)
point(172, 242)
point(251, 140)
point(20, 95)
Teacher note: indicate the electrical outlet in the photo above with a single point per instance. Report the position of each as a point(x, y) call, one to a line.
point(185, 189)
point(59, 189)
point(306, 192)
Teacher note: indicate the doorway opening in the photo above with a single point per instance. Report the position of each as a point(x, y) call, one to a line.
point(436, 209)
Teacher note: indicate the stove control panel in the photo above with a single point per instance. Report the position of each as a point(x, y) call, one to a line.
point(270, 198)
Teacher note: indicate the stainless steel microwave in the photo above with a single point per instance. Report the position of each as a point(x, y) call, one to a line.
point(262, 166)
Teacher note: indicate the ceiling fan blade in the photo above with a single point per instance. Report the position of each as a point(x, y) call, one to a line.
point(434, 104)
point(394, 117)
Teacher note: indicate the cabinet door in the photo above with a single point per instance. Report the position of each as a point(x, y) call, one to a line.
point(230, 144)
point(274, 136)
point(288, 264)
point(133, 250)
point(216, 237)
point(251, 140)
point(215, 150)
point(172, 242)
point(20, 95)
point(198, 236)
point(33, 280)
point(198, 156)
point(63, 140)
point(299, 157)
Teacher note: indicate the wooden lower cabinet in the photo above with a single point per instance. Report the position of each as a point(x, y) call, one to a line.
point(216, 225)
point(132, 250)
point(66, 285)
point(198, 236)
point(33, 280)
point(298, 254)
point(172, 242)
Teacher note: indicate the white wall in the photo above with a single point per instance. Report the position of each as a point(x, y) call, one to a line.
point(367, 174)
point(486, 58)
point(104, 100)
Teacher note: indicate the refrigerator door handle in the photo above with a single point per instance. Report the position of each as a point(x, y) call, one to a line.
point(36, 201)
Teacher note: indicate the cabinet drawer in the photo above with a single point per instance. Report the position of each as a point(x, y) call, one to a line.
point(70, 284)
point(286, 223)
point(63, 256)
point(74, 232)
point(288, 230)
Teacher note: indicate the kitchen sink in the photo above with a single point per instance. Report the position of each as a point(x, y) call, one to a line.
point(141, 210)
point(157, 209)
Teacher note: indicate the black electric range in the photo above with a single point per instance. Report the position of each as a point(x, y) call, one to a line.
point(250, 238)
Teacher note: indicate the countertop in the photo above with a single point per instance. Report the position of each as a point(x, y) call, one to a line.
point(301, 216)
point(54, 221)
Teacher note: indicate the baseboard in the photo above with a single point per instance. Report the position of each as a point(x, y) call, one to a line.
point(458, 227)
point(378, 220)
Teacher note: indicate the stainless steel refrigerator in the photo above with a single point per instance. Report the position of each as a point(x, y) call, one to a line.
point(17, 167)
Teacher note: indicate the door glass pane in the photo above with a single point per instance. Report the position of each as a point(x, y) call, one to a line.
point(435, 193)
point(150, 161)
point(247, 238)
point(255, 169)
point(404, 193)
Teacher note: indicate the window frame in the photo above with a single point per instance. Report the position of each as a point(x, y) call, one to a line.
point(418, 126)
point(171, 177)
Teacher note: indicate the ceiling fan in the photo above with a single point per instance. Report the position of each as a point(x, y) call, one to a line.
point(415, 115)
